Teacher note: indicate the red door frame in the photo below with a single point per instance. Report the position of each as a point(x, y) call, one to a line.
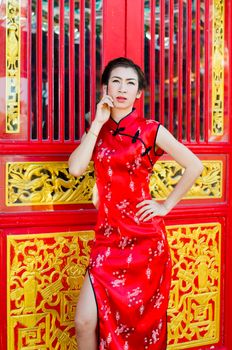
point(121, 38)
point(228, 256)
point(130, 44)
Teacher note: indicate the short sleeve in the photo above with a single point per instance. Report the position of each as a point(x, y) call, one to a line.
point(157, 150)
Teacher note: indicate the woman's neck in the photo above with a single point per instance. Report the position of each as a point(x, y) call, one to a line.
point(117, 113)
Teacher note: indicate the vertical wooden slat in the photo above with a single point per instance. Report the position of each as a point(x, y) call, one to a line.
point(180, 64)
point(188, 70)
point(71, 70)
point(82, 69)
point(39, 70)
point(113, 42)
point(134, 48)
point(197, 94)
point(152, 59)
point(93, 58)
point(171, 63)
point(29, 75)
point(162, 59)
point(50, 69)
point(61, 71)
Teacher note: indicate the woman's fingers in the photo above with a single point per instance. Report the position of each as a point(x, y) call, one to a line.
point(149, 209)
point(149, 217)
point(145, 207)
point(147, 212)
point(107, 100)
point(146, 201)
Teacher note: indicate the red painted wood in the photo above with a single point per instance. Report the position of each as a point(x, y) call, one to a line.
point(39, 70)
point(180, 64)
point(28, 148)
point(197, 70)
point(61, 72)
point(29, 112)
point(189, 71)
point(152, 59)
point(228, 255)
point(93, 60)
point(71, 70)
point(50, 69)
point(120, 18)
point(162, 61)
point(134, 49)
point(171, 63)
point(82, 69)
point(3, 71)
point(87, 218)
point(114, 29)
point(3, 291)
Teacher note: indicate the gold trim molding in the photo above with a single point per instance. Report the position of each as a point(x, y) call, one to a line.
point(45, 274)
point(194, 304)
point(49, 183)
point(13, 44)
point(218, 60)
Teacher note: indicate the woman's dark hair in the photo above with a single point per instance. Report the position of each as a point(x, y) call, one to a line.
point(123, 62)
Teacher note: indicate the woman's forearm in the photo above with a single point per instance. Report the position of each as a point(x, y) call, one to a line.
point(81, 156)
point(191, 173)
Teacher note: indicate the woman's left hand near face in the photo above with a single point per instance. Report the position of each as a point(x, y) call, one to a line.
point(149, 209)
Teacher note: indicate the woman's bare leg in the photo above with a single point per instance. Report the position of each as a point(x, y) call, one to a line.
point(86, 317)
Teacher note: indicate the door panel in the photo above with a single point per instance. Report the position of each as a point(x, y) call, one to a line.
point(186, 45)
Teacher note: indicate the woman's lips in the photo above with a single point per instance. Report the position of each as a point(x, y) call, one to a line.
point(121, 99)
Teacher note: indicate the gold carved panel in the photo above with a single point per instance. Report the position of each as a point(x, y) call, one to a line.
point(194, 305)
point(218, 61)
point(167, 174)
point(45, 274)
point(44, 183)
point(13, 43)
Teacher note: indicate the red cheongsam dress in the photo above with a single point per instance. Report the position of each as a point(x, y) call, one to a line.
point(130, 266)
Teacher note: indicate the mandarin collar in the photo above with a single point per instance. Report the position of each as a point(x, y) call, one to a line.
point(125, 120)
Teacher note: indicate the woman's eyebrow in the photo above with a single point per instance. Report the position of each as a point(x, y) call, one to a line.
point(121, 78)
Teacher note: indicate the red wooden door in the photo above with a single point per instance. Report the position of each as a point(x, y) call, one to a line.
point(185, 48)
point(52, 56)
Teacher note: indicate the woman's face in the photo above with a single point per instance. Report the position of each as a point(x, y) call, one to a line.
point(123, 87)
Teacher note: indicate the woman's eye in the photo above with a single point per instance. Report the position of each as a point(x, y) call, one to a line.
point(131, 82)
point(115, 81)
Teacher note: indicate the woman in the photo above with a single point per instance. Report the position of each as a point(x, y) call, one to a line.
point(124, 298)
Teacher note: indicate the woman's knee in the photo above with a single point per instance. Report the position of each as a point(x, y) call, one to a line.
point(84, 324)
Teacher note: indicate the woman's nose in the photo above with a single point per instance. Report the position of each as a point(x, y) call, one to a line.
point(122, 87)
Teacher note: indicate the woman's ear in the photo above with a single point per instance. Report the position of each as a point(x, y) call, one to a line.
point(104, 89)
point(139, 93)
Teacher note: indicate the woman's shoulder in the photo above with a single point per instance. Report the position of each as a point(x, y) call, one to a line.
point(148, 123)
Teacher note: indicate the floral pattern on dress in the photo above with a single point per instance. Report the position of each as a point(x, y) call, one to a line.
point(130, 265)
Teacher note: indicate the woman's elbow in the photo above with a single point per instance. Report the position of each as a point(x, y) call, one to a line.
point(198, 167)
point(74, 169)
